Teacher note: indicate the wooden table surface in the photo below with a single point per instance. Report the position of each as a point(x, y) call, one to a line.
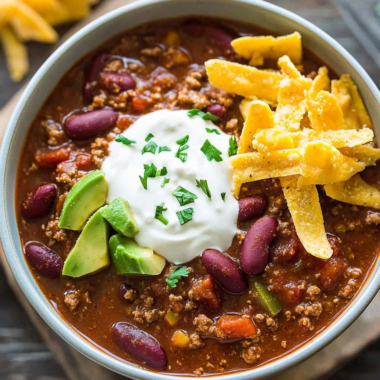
point(23, 355)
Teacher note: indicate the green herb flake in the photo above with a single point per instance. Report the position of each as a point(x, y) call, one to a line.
point(150, 171)
point(150, 136)
point(176, 275)
point(184, 196)
point(183, 140)
point(223, 195)
point(124, 140)
point(185, 216)
point(232, 150)
point(204, 186)
point(181, 154)
point(203, 115)
point(159, 214)
point(151, 147)
point(165, 181)
point(208, 130)
point(164, 149)
point(211, 152)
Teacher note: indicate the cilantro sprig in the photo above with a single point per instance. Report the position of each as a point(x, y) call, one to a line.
point(164, 149)
point(159, 214)
point(211, 152)
point(150, 136)
point(202, 183)
point(150, 171)
point(151, 147)
point(176, 275)
point(185, 216)
point(122, 139)
point(232, 150)
point(165, 181)
point(184, 196)
point(181, 154)
point(223, 195)
point(203, 115)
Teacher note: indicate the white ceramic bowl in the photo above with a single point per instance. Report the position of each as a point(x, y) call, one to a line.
point(250, 11)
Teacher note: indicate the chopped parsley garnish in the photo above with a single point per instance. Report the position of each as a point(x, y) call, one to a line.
point(151, 147)
point(150, 136)
point(184, 196)
point(223, 195)
point(124, 140)
point(185, 216)
point(176, 275)
point(165, 181)
point(150, 171)
point(232, 150)
point(164, 149)
point(202, 183)
point(159, 216)
point(211, 152)
point(208, 130)
point(181, 154)
point(203, 115)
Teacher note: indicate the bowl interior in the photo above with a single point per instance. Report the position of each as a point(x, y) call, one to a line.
point(250, 11)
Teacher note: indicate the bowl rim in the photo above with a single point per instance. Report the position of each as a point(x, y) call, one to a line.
point(90, 349)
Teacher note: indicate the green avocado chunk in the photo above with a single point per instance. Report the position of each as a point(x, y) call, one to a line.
point(119, 215)
point(130, 258)
point(86, 196)
point(90, 253)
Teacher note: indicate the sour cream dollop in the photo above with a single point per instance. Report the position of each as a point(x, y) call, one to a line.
point(213, 223)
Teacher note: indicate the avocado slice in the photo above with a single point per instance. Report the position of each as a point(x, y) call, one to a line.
point(130, 258)
point(86, 196)
point(90, 253)
point(119, 215)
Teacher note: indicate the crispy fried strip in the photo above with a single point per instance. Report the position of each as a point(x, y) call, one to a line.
point(354, 191)
point(255, 166)
point(244, 80)
point(320, 83)
point(16, 54)
point(364, 153)
point(257, 49)
point(273, 139)
point(304, 206)
point(259, 117)
point(7, 10)
point(322, 164)
point(354, 111)
point(291, 103)
point(288, 68)
point(325, 113)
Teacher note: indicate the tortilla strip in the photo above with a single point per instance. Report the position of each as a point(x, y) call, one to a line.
point(288, 68)
point(322, 164)
point(304, 206)
point(244, 80)
point(325, 113)
point(16, 54)
point(257, 49)
point(273, 139)
point(351, 103)
point(255, 166)
point(363, 153)
point(7, 10)
point(291, 103)
point(320, 83)
point(354, 191)
point(259, 117)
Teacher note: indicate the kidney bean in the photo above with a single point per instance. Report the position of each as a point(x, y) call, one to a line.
point(44, 260)
point(255, 249)
point(123, 289)
point(117, 82)
point(286, 249)
point(219, 35)
point(39, 202)
point(252, 207)
point(225, 271)
point(216, 109)
point(91, 85)
point(140, 345)
point(89, 124)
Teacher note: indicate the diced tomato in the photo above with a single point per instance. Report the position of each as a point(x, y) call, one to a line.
point(204, 290)
point(67, 167)
point(124, 122)
point(334, 245)
point(286, 249)
point(331, 273)
point(236, 326)
point(83, 161)
point(158, 287)
point(52, 158)
point(139, 103)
